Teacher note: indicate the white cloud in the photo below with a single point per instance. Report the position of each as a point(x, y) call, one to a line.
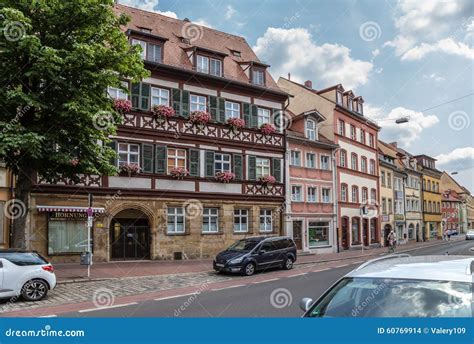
point(457, 160)
point(434, 77)
point(294, 51)
point(148, 5)
point(405, 133)
point(230, 12)
point(375, 52)
point(428, 26)
point(202, 22)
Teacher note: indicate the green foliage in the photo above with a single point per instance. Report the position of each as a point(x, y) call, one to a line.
point(57, 58)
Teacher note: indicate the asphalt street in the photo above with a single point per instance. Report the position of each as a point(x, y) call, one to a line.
point(278, 297)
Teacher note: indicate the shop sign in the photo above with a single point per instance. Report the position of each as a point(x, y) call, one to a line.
point(66, 216)
point(385, 218)
point(399, 217)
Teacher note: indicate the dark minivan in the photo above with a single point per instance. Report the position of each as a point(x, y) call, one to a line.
point(256, 253)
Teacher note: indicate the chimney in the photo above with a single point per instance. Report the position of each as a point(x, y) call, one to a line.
point(394, 144)
point(289, 76)
point(308, 84)
point(187, 20)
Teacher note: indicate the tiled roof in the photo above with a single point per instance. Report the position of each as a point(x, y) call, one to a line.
point(175, 55)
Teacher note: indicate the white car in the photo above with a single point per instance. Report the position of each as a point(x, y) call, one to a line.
point(470, 234)
point(401, 286)
point(25, 273)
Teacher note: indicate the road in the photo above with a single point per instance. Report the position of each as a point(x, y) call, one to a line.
point(273, 297)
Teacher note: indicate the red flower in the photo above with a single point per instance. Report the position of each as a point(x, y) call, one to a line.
point(267, 129)
point(179, 172)
point(129, 169)
point(199, 117)
point(74, 162)
point(225, 177)
point(268, 180)
point(163, 111)
point(122, 106)
point(236, 123)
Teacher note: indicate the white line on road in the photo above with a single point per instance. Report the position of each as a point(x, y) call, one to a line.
point(48, 316)
point(296, 275)
point(340, 266)
point(358, 262)
point(108, 307)
point(325, 269)
point(232, 286)
point(265, 281)
point(175, 296)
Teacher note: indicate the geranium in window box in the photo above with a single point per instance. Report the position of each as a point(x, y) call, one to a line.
point(267, 129)
point(179, 173)
point(268, 180)
point(129, 170)
point(236, 124)
point(122, 106)
point(200, 118)
point(225, 177)
point(162, 112)
point(74, 162)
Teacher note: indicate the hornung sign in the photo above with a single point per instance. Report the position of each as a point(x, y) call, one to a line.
point(65, 216)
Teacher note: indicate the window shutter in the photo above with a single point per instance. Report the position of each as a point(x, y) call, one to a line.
point(145, 97)
point(147, 158)
point(276, 119)
point(254, 117)
point(113, 146)
point(177, 101)
point(194, 162)
point(276, 169)
point(185, 104)
point(221, 110)
point(252, 169)
point(136, 96)
point(209, 164)
point(213, 108)
point(160, 159)
point(246, 113)
point(238, 167)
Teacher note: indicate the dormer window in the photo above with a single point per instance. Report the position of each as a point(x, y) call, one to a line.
point(208, 65)
point(349, 103)
point(150, 52)
point(258, 77)
point(359, 108)
point(236, 53)
point(311, 130)
point(339, 97)
point(202, 64)
point(145, 29)
point(142, 44)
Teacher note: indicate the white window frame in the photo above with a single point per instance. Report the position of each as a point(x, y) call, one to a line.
point(312, 197)
point(338, 98)
point(225, 160)
point(341, 127)
point(210, 214)
point(297, 193)
point(175, 157)
point(266, 214)
point(211, 67)
point(128, 152)
point(175, 214)
point(309, 154)
point(262, 167)
point(241, 214)
point(197, 102)
point(258, 77)
point(327, 165)
point(372, 167)
point(295, 158)
point(344, 192)
point(232, 110)
point(323, 198)
point(311, 130)
point(202, 64)
point(162, 96)
point(143, 45)
point(117, 93)
point(152, 47)
point(356, 194)
point(263, 116)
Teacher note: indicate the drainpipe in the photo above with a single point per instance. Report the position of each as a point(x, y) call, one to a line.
point(335, 197)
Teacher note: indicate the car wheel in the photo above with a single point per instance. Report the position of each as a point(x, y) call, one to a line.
point(34, 290)
point(249, 269)
point(288, 263)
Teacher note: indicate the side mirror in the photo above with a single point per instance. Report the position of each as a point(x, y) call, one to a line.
point(306, 303)
point(262, 252)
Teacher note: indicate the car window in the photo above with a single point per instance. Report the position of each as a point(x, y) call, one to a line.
point(375, 297)
point(23, 258)
point(243, 245)
point(267, 246)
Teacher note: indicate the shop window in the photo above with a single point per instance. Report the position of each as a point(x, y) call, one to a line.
point(318, 234)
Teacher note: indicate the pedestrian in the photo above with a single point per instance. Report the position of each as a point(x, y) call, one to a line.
point(391, 241)
point(449, 234)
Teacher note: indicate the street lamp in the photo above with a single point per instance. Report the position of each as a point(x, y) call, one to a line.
point(402, 120)
point(454, 173)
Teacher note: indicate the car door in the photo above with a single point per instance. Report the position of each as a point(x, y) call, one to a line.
point(266, 255)
point(1, 274)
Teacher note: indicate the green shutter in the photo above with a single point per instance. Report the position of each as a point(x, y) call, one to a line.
point(276, 169)
point(209, 164)
point(145, 97)
point(275, 118)
point(238, 167)
point(213, 108)
point(254, 117)
point(246, 112)
point(185, 104)
point(160, 159)
point(252, 169)
point(177, 101)
point(221, 110)
point(136, 96)
point(194, 162)
point(113, 146)
point(147, 158)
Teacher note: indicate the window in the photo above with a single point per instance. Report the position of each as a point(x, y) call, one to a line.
point(382, 178)
point(153, 52)
point(175, 220)
point(371, 140)
point(362, 136)
point(310, 129)
point(160, 96)
point(353, 132)
point(295, 158)
point(341, 127)
point(339, 98)
point(363, 164)
point(197, 103)
point(176, 158)
point(355, 194)
point(141, 96)
point(216, 67)
point(262, 166)
point(325, 163)
point(373, 195)
point(360, 108)
point(384, 206)
point(128, 153)
point(354, 161)
point(202, 64)
point(222, 163)
point(296, 193)
point(343, 158)
point(343, 192)
point(365, 195)
point(266, 220)
point(66, 236)
point(141, 44)
point(349, 104)
point(118, 93)
point(326, 195)
point(241, 220)
point(390, 206)
point(312, 192)
point(210, 220)
point(355, 230)
point(263, 116)
point(258, 77)
point(310, 160)
point(318, 234)
point(232, 110)
point(389, 180)
point(372, 166)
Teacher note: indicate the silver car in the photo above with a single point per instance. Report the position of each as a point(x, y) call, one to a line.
point(401, 286)
point(470, 234)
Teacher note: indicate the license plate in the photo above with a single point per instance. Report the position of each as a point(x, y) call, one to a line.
point(219, 265)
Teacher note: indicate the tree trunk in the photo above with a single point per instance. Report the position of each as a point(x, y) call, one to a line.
point(20, 209)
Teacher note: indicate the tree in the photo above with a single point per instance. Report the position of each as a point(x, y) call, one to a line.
point(57, 58)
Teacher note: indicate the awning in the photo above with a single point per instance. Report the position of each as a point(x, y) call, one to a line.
point(67, 209)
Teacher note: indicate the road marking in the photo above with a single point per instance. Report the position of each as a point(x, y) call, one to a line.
point(176, 296)
point(232, 286)
point(325, 269)
point(300, 274)
point(108, 307)
point(265, 281)
point(48, 316)
point(358, 262)
point(340, 266)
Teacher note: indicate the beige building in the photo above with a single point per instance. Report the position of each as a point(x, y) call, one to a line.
point(387, 157)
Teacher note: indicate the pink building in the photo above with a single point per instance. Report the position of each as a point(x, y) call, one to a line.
point(311, 207)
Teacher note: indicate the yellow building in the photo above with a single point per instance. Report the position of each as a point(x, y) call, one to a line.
point(387, 157)
point(431, 196)
point(5, 206)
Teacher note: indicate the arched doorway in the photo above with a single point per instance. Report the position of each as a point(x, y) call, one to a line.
point(386, 231)
point(411, 231)
point(374, 235)
point(365, 232)
point(418, 238)
point(345, 232)
point(130, 236)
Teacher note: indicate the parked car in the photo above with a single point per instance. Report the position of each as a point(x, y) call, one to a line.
point(256, 253)
point(400, 286)
point(470, 234)
point(25, 273)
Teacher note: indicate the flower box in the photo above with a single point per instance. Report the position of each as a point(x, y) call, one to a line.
point(225, 177)
point(236, 123)
point(267, 129)
point(268, 180)
point(162, 112)
point(122, 106)
point(179, 172)
point(199, 117)
point(129, 169)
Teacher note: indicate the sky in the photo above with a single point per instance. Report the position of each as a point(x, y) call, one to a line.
point(405, 58)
